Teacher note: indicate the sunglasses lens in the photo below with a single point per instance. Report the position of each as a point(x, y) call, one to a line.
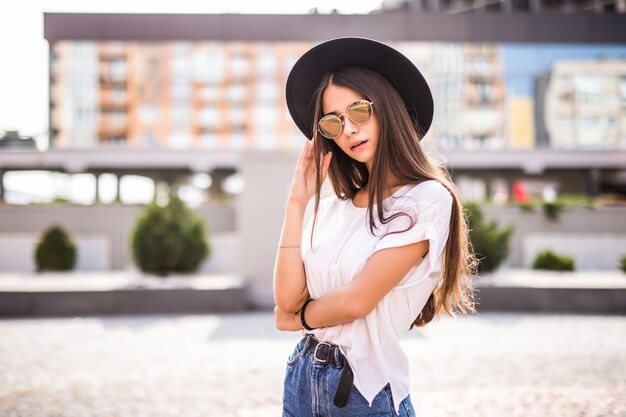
point(330, 126)
point(360, 111)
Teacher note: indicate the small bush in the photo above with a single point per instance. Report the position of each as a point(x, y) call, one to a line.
point(552, 210)
point(169, 239)
point(552, 261)
point(55, 250)
point(622, 263)
point(490, 243)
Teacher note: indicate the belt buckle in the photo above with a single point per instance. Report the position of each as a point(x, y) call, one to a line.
point(316, 358)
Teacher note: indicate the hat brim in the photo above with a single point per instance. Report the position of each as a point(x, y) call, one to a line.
point(308, 71)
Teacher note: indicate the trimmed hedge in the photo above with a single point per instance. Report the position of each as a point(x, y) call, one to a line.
point(552, 261)
point(169, 239)
point(55, 250)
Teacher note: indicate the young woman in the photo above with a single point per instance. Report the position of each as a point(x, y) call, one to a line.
point(388, 253)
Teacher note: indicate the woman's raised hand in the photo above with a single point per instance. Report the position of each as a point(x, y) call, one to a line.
point(303, 184)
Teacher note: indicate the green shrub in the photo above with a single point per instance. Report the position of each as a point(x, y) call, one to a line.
point(490, 243)
point(552, 261)
point(552, 210)
point(55, 250)
point(622, 263)
point(169, 239)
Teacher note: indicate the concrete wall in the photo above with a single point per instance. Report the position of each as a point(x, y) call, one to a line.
point(260, 217)
point(595, 238)
point(245, 237)
point(102, 235)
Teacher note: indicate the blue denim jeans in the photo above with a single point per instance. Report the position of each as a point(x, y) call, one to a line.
point(310, 387)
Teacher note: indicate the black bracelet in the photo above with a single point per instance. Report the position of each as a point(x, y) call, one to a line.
point(306, 326)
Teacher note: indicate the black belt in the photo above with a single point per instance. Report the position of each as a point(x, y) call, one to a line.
point(326, 353)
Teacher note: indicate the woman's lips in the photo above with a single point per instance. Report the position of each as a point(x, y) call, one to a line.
point(359, 146)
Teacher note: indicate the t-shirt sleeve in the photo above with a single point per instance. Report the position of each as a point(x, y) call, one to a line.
point(429, 208)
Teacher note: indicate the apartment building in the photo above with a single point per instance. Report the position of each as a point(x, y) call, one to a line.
point(585, 104)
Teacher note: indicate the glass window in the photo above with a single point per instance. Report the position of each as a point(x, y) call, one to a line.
point(147, 113)
point(210, 92)
point(200, 66)
point(149, 140)
point(117, 95)
point(622, 89)
point(239, 66)
point(117, 119)
point(181, 67)
point(236, 93)
point(237, 116)
point(267, 91)
point(180, 140)
point(181, 92)
point(266, 65)
point(237, 140)
point(117, 70)
point(209, 140)
point(588, 88)
point(217, 64)
point(180, 115)
point(210, 116)
point(266, 117)
point(589, 122)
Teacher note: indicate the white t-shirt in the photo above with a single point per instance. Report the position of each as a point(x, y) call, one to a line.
point(341, 246)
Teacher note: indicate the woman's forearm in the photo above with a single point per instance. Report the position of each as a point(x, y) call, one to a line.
point(290, 290)
point(382, 272)
point(332, 309)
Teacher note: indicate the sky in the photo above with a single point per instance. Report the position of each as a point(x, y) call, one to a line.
point(24, 51)
point(524, 61)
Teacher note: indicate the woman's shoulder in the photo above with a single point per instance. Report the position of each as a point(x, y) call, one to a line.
point(329, 202)
point(430, 192)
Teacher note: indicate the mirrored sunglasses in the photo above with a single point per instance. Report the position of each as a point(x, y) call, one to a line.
point(359, 112)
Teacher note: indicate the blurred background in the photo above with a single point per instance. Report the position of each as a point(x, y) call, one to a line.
point(146, 153)
point(108, 110)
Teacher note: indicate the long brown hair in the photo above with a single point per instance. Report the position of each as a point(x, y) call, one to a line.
point(398, 152)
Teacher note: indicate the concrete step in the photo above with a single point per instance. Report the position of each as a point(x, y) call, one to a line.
point(594, 292)
point(104, 293)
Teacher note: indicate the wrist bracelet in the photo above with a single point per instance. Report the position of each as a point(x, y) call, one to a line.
point(302, 321)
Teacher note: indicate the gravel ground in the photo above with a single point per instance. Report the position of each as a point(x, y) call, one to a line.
point(490, 364)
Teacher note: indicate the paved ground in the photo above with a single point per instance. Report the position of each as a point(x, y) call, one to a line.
point(492, 364)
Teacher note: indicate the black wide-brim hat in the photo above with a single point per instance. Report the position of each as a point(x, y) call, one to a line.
point(309, 70)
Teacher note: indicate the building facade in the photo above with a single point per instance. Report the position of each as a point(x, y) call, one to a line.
point(171, 95)
point(229, 95)
point(586, 104)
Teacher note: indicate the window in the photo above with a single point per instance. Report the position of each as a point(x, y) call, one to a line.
point(265, 117)
point(181, 91)
point(267, 91)
point(148, 114)
point(236, 93)
point(180, 115)
point(210, 116)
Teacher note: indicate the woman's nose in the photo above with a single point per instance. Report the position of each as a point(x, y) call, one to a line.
point(349, 127)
